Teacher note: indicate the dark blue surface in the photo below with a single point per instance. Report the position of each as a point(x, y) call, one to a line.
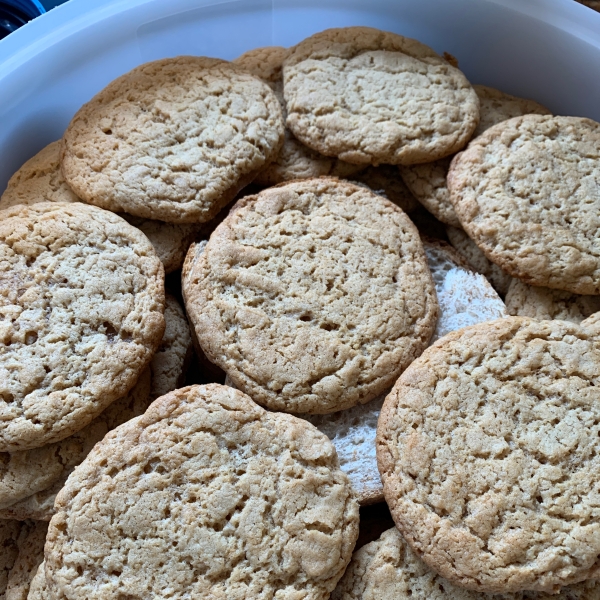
point(15, 13)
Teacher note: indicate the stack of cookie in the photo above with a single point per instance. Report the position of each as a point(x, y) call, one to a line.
point(320, 293)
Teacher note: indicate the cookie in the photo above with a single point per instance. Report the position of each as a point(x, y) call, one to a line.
point(295, 160)
point(488, 448)
point(469, 250)
point(312, 296)
point(40, 180)
point(23, 474)
point(543, 303)
point(386, 181)
point(38, 506)
point(173, 140)
point(526, 192)
point(31, 554)
point(369, 97)
point(82, 301)
point(387, 569)
point(9, 550)
point(465, 297)
point(270, 510)
point(38, 589)
point(173, 356)
point(428, 181)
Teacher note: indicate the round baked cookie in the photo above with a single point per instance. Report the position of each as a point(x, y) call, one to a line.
point(205, 495)
point(387, 569)
point(526, 191)
point(312, 296)
point(9, 550)
point(488, 448)
point(40, 180)
point(369, 97)
point(38, 589)
point(469, 250)
point(23, 474)
point(544, 303)
point(173, 356)
point(82, 301)
point(295, 160)
point(173, 140)
point(465, 297)
point(386, 181)
point(31, 553)
point(428, 181)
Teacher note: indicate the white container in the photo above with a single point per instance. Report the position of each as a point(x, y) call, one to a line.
point(548, 50)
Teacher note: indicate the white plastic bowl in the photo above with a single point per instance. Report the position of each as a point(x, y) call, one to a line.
point(548, 50)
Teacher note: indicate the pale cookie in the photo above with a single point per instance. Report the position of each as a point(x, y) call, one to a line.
point(9, 550)
point(173, 140)
point(82, 301)
point(295, 160)
point(489, 450)
point(38, 589)
point(543, 303)
point(312, 296)
point(428, 181)
point(23, 474)
point(40, 180)
point(386, 181)
point(206, 495)
point(469, 250)
point(527, 192)
point(173, 356)
point(370, 97)
point(31, 554)
point(465, 297)
point(38, 506)
point(387, 569)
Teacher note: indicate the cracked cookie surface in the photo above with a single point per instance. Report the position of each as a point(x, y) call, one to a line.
point(81, 305)
point(312, 296)
point(527, 192)
point(173, 140)
point(369, 97)
point(488, 447)
point(205, 495)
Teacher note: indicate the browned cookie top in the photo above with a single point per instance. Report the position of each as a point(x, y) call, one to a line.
point(81, 301)
point(173, 140)
point(313, 296)
point(489, 450)
point(527, 191)
point(369, 96)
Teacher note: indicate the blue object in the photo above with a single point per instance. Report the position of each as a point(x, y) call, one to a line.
point(15, 13)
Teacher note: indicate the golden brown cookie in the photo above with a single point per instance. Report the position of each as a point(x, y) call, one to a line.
point(543, 303)
point(369, 97)
point(387, 569)
point(295, 160)
point(526, 191)
point(82, 301)
point(489, 449)
point(428, 181)
point(38, 589)
point(313, 296)
point(206, 494)
point(173, 140)
point(40, 180)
